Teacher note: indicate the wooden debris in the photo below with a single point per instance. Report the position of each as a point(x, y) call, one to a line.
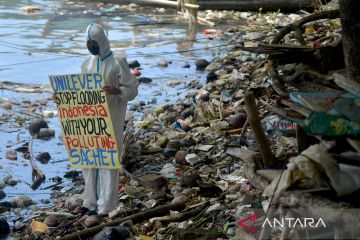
point(159, 211)
point(38, 176)
point(255, 123)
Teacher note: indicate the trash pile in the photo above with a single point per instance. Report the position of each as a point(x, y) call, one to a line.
point(272, 128)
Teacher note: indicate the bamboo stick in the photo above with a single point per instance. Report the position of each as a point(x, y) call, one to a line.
point(164, 3)
point(159, 211)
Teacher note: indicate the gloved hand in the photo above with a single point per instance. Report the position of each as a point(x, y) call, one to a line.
point(55, 98)
point(111, 90)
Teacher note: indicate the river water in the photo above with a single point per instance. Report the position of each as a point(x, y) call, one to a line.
point(51, 41)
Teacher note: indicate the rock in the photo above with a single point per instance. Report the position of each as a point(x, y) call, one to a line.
point(133, 5)
point(186, 103)
point(169, 152)
point(36, 125)
point(213, 67)
point(10, 182)
point(238, 120)
point(159, 110)
point(4, 227)
point(171, 118)
point(18, 226)
point(235, 188)
point(151, 181)
point(201, 64)
point(144, 80)
point(187, 142)
point(113, 233)
point(234, 29)
point(5, 204)
point(2, 194)
point(93, 220)
point(134, 64)
point(7, 180)
point(190, 180)
point(204, 97)
point(56, 179)
point(211, 77)
point(11, 155)
point(7, 177)
point(208, 189)
point(30, 9)
point(6, 106)
point(186, 65)
point(46, 133)
point(175, 135)
point(21, 201)
point(187, 113)
point(180, 157)
point(219, 125)
point(43, 157)
point(162, 63)
point(71, 174)
point(294, 17)
point(135, 106)
point(45, 201)
point(52, 221)
point(163, 141)
point(153, 101)
point(179, 199)
point(221, 82)
point(289, 69)
point(74, 201)
point(158, 195)
point(174, 144)
point(174, 83)
point(186, 192)
point(186, 127)
point(80, 210)
point(5, 207)
point(178, 108)
point(22, 149)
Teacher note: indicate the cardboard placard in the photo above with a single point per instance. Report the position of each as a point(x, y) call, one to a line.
point(85, 120)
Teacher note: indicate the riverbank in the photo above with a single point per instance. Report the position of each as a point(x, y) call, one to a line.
point(196, 152)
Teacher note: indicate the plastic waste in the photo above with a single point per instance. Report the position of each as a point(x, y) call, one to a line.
point(168, 171)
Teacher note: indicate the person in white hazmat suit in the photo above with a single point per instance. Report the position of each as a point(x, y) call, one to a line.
point(102, 185)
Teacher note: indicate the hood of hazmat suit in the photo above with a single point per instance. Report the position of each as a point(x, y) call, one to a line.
point(102, 185)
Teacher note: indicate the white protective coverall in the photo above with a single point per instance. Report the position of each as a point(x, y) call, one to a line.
point(102, 185)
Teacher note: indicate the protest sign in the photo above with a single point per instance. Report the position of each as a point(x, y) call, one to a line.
point(85, 120)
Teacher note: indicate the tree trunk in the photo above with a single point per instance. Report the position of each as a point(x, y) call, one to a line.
point(350, 21)
point(255, 5)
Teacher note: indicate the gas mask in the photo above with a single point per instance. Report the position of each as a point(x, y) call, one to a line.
point(94, 49)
